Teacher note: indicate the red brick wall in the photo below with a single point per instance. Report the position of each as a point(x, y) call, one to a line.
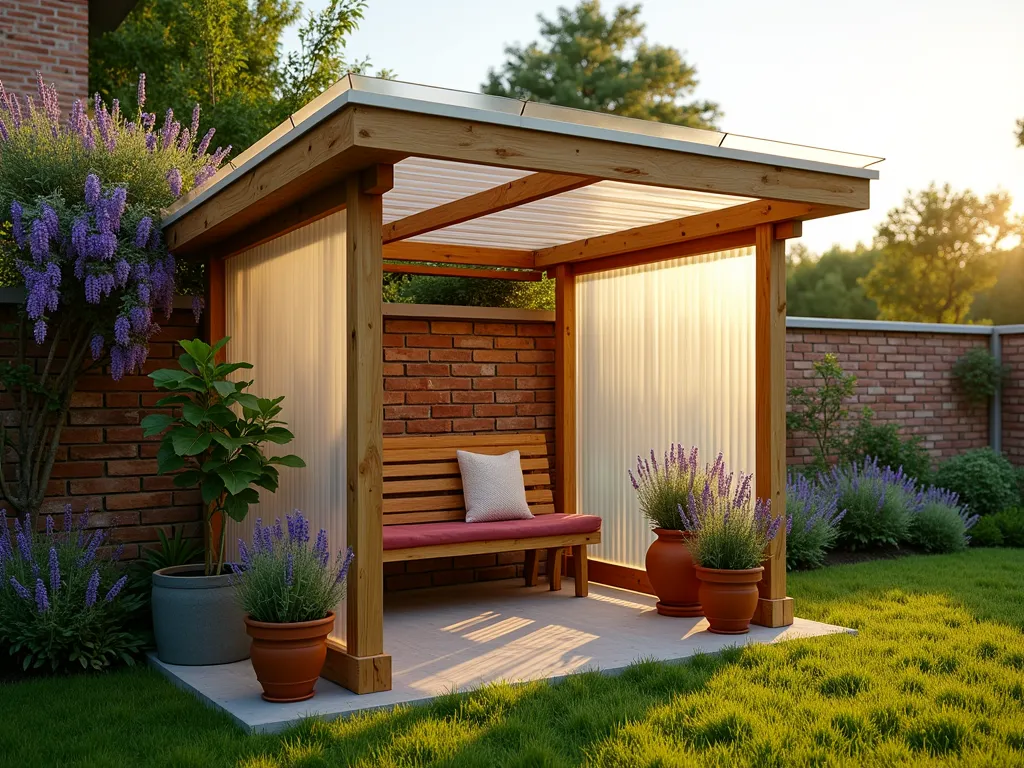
point(468, 376)
point(1013, 398)
point(51, 36)
point(906, 378)
point(105, 465)
point(445, 375)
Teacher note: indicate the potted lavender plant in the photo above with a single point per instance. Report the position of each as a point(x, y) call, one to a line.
point(730, 534)
point(661, 491)
point(289, 591)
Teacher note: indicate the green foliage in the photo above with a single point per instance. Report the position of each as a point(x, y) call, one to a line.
point(282, 580)
point(940, 527)
point(62, 608)
point(472, 292)
point(987, 533)
point(603, 64)
point(883, 442)
point(935, 254)
point(985, 480)
point(1006, 529)
point(1003, 303)
point(226, 56)
point(979, 375)
point(218, 450)
point(819, 412)
point(829, 285)
point(174, 550)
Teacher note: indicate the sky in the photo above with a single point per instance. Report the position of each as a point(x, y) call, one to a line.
point(934, 86)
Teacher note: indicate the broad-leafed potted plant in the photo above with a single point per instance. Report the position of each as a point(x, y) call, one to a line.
point(289, 591)
point(661, 490)
point(214, 440)
point(730, 533)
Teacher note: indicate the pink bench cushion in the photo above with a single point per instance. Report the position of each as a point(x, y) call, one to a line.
point(458, 532)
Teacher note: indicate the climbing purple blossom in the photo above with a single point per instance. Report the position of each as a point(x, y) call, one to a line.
point(141, 92)
point(142, 231)
point(198, 305)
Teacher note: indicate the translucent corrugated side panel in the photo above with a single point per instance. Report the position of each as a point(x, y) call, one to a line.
point(665, 354)
point(286, 316)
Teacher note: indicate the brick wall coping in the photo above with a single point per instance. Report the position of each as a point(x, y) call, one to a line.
point(894, 326)
point(448, 312)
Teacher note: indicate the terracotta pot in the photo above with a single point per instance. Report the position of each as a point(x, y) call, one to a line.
point(670, 569)
point(729, 598)
point(288, 658)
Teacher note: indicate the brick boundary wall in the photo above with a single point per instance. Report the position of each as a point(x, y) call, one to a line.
point(491, 370)
point(104, 464)
point(905, 378)
point(51, 36)
point(1012, 348)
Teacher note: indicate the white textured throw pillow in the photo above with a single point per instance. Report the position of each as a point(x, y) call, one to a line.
point(494, 487)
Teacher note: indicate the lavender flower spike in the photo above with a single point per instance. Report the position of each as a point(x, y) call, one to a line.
point(116, 589)
point(289, 570)
point(343, 571)
point(54, 571)
point(42, 599)
point(20, 590)
point(92, 588)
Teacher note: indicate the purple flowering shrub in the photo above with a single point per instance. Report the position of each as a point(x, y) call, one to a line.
point(662, 489)
point(942, 522)
point(879, 502)
point(730, 528)
point(814, 516)
point(281, 579)
point(62, 606)
point(80, 203)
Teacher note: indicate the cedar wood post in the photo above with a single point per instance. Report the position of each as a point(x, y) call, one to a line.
point(361, 664)
point(774, 609)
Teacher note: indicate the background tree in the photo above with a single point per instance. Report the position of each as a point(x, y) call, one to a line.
point(936, 252)
point(829, 285)
point(603, 64)
point(226, 56)
point(1003, 303)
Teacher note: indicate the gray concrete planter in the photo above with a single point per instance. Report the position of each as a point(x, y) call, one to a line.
point(196, 618)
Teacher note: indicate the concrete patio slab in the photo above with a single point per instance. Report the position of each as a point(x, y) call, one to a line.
point(459, 638)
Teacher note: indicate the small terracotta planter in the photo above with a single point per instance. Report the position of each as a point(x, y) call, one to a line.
point(288, 658)
point(729, 598)
point(671, 571)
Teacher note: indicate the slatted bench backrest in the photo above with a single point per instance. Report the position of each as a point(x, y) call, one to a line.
point(422, 483)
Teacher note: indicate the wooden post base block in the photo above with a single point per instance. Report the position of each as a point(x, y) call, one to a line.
point(774, 613)
point(360, 674)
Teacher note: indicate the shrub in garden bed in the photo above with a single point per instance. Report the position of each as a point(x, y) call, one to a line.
point(1004, 529)
point(814, 517)
point(942, 523)
point(61, 606)
point(985, 481)
point(883, 443)
point(879, 503)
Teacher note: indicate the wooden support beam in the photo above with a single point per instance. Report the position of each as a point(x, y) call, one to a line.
point(215, 310)
point(732, 219)
point(528, 189)
point(522, 275)
point(363, 666)
point(378, 179)
point(741, 239)
point(307, 210)
point(788, 230)
point(440, 253)
point(516, 147)
point(774, 608)
point(565, 389)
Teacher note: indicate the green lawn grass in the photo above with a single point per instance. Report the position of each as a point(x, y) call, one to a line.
point(935, 677)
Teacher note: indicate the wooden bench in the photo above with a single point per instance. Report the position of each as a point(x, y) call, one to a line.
point(424, 508)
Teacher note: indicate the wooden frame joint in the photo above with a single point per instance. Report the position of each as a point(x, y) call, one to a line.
point(377, 179)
